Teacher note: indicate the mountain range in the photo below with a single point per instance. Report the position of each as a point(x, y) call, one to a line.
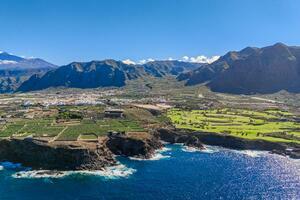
point(104, 73)
point(251, 70)
point(14, 70)
point(248, 71)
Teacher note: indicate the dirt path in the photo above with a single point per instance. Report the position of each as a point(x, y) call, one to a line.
point(58, 135)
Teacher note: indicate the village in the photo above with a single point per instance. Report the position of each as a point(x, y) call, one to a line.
point(89, 114)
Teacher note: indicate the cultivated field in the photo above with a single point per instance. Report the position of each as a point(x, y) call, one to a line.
point(69, 130)
point(270, 124)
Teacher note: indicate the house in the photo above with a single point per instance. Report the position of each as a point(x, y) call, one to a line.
point(114, 113)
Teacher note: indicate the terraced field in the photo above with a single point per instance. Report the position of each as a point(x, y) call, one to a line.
point(99, 128)
point(70, 130)
point(272, 125)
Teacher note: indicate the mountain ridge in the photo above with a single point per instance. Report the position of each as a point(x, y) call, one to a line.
point(105, 73)
point(251, 70)
point(14, 70)
point(13, 62)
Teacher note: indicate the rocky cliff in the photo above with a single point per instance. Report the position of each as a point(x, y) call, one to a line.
point(227, 141)
point(57, 155)
point(77, 155)
point(140, 145)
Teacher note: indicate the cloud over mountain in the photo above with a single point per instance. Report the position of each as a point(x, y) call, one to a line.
point(200, 59)
point(193, 59)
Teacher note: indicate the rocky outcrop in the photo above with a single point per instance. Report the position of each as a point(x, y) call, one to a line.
point(57, 155)
point(291, 152)
point(227, 141)
point(173, 136)
point(77, 155)
point(142, 145)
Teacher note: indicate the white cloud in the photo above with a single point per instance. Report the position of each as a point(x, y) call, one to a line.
point(146, 60)
point(29, 58)
point(129, 62)
point(7, 62)
point(213, 59)
point(193, 59)
point(185, 58)
point(200, 59)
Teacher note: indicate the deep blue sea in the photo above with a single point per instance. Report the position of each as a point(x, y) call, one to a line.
point(172, 174)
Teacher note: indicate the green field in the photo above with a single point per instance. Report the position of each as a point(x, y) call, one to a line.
point(67, 131)
point(38, 128)
point(272, 125)
point(100, 127)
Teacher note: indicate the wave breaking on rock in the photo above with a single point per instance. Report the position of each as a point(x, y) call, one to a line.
point(156, 156)
point(206, 149)
point(113, 172)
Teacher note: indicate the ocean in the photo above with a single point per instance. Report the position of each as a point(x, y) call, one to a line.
point(174, 173)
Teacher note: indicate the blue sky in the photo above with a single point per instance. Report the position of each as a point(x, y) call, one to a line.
point(62, 31)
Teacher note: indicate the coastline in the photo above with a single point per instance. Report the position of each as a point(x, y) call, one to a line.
point(98, 156)
point(199, 138)
point(78, 155)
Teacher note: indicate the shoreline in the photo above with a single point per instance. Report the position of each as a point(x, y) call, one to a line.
point(78, 155)
point(121, 170)
point(96, 156)
point(205, 138)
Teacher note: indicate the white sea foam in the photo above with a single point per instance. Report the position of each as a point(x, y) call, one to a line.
point(40, 174)
point(214, 149)
point(190, 149)
point(164, 149)
point(156, 156)
point(1, 167)
point(113, 172)
point(207, 149)
point(211, 149)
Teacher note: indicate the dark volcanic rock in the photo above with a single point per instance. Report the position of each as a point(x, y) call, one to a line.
point(194, 142)
point(56, 156)
point(141, 145)
point(169, 135)
point(294, 154)
point(173, 136)
point(227, 141)
point(77, 155)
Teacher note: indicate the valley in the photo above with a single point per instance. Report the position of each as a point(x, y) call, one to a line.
point(133, 117)
point(151, 100)
point(111, 108)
